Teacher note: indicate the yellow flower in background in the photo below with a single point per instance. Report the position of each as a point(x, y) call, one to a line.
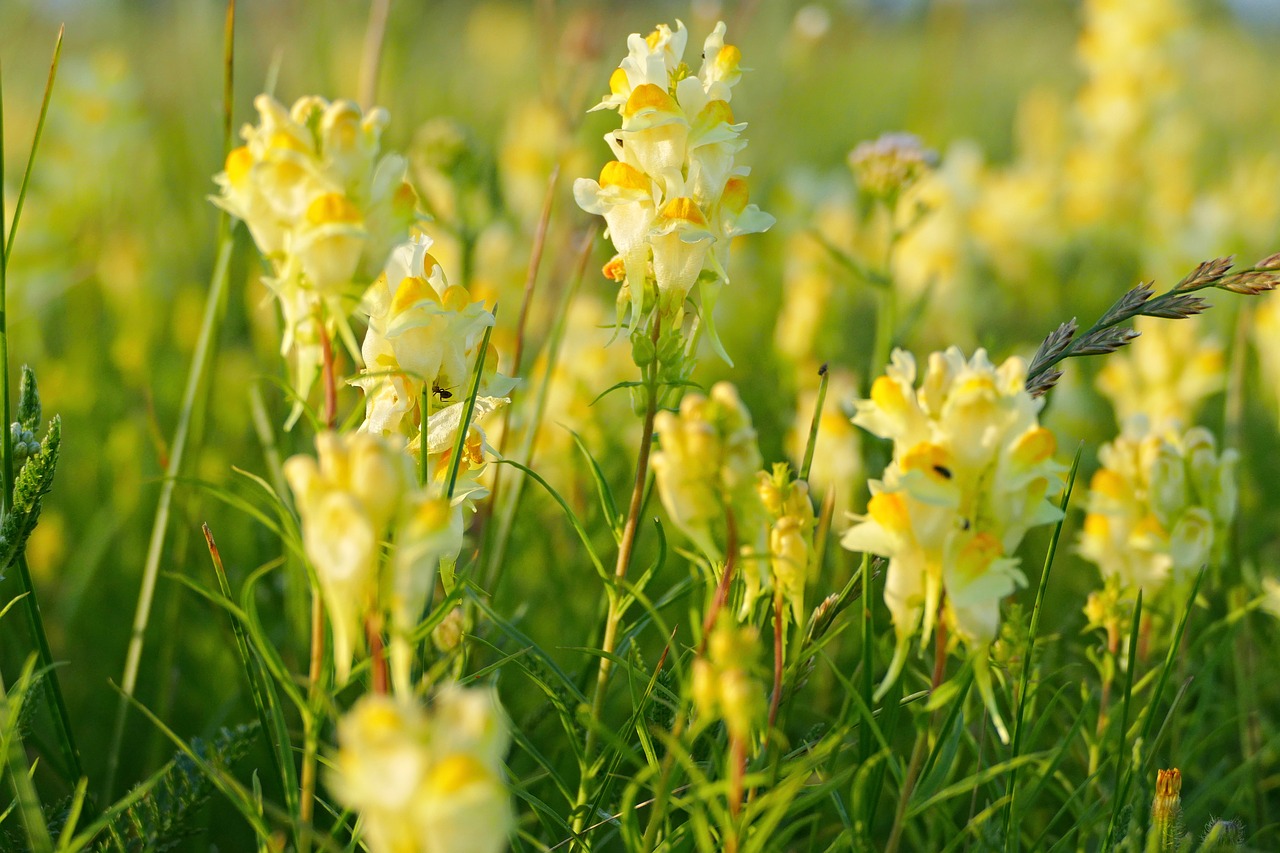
point(673, 197)
point(972, 470)
point(426, 781)
point(324, 205)
point(790, 511)
point(837, 455)
point(359, 494)
point(1166, 376)
point(1159, 507)
point(707, 465)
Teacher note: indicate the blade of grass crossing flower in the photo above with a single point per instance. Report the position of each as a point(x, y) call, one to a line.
point(469, 411)
point(265, 700)
point(1032, 634)
point(1117, 803)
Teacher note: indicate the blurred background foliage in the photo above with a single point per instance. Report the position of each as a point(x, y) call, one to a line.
point(117, 239)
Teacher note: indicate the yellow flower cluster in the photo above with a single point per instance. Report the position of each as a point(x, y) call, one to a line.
point(673, 198)
point(706, 469)
point(1159, 507)
point(426, 781)
point(360, 495)
point(423, 341)
point(791, 524)
point(971, 472)
point(323, 204)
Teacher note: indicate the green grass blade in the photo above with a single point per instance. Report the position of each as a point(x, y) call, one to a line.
point(35, 145)
point(197, 385)
point(15, 757)
point(1032, 634)
point(1117, 803)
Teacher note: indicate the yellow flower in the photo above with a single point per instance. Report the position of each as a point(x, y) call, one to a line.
point(707, 466)
point(1159, 507)
point(971, 473)
point(359, 494)
point(426, 781)
point(724, 682)
point(673, 197)
point(1167, 377)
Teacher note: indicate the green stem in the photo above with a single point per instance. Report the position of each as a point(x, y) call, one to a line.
point(626, 546)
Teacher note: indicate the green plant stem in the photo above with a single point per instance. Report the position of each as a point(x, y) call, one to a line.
point(658, 812)
point(626, 547)
point(776, 697)
point(824, 379)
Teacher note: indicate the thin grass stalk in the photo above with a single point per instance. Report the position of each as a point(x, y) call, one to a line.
point(530, 279)
point(1033, 633)
point(197, 384)
point(468, 412)
point(198, 377)
point(51, 685)
point(776, 697)
point(497, 546)
point(371, 57)
point(920, 749)
point(812, 442)
point(1117, 803)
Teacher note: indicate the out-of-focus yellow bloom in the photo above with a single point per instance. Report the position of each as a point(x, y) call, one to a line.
point(673, 198)
point(323, 204)
point(1159, 507)
point(426, 781)
point(706, 468)
point(360, 493)
point(1266, 338)
point(790, 512)
point(724, 682)
point(971, 472)
point(1166, 376)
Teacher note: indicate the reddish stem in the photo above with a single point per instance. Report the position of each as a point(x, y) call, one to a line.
point(330, 378)
point(726, 579)
point(776, 699)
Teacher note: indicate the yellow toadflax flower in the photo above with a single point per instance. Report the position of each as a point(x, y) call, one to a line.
point(422, 344)
point(673, 198)
point(971, 473)
point(360, 493)
point(706, 473)
point(791, 525)
point(1159, 507)
point(426, 781)
point(725, 686)
point(323, 204)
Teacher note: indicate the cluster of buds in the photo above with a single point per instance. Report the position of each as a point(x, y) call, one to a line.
point(422, 345)
point(374, 538)
point(706, 472)
point(791, 525)
point(1158, 508)
point(426, 781)
point(971, 473)
point(324, 205)
point(725, 686)
point(672, 198)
